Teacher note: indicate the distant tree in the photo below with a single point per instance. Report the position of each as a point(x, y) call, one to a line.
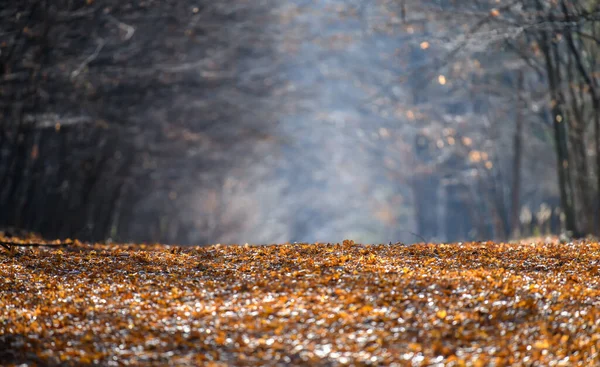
point(556, 44)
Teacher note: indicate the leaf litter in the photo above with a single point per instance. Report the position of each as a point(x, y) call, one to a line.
point(465, 304)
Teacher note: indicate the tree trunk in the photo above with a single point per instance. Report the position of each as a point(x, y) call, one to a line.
point(517, 158)
point(560, 134)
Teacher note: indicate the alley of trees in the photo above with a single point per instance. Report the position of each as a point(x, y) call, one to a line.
point(273, 121)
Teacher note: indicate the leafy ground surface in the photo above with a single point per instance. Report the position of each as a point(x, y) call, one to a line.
point(302, 304)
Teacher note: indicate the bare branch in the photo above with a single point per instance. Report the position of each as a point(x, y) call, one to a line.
point(129, 30)
point(50, 120)
point(89, 59)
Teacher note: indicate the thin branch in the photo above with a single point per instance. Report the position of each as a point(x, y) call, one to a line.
point(531, 62)
point(50, 120)
point(589, 79)
point(71, 15)
point(89, 59)
point(587, 36)
point(129, 30)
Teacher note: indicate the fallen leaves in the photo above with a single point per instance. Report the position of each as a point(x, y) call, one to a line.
point(329, 304)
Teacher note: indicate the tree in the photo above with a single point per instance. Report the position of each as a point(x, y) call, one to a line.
point(549, 39)
point(111, 111)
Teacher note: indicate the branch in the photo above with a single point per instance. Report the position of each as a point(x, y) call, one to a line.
point(89, 59)
point(590, 80)
point(531, 62)
point(49, 120)
point(129, 30)
point(71, 15)
point(587, 36)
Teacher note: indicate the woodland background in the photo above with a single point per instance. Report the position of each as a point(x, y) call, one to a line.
point(272, 121)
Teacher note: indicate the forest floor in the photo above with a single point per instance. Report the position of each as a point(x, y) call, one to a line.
point(473, 304)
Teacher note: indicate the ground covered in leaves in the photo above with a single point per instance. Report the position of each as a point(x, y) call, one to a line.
point(460, 304)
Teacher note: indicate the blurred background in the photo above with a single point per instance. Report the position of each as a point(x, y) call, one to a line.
point(265, 121)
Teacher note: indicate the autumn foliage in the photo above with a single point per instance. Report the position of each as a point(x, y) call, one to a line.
point(464, 304)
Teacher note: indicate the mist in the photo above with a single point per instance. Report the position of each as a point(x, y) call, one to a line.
point(279, 121)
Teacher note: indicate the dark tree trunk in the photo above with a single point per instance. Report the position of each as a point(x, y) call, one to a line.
point(552, 61)
point(517, 158)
